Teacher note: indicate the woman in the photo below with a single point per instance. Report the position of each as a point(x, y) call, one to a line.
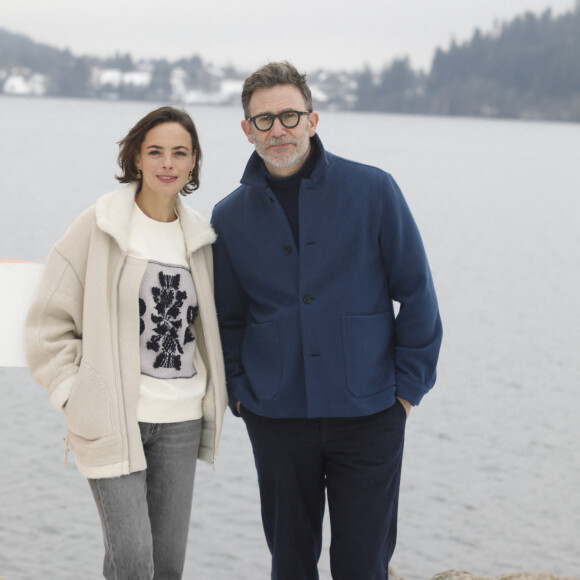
point(123, 335)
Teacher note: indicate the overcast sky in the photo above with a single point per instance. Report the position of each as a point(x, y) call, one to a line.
point(331, 34)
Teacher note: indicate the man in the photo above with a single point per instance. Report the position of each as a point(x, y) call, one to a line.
point(312, 250)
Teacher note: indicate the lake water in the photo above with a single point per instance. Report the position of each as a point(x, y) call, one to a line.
point(491, 474)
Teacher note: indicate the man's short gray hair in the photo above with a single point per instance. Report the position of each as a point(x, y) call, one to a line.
point(272, 75)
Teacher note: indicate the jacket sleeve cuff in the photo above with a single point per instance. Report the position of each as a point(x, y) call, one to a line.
point(238, 389)
point(410, 391)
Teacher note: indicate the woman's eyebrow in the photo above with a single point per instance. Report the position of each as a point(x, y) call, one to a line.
point(176, 147)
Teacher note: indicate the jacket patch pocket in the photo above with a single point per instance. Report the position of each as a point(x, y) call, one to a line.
point(88, 410)
point(368, 353)
point(262, 360)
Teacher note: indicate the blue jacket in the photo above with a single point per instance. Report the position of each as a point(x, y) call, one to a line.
point(311, 331)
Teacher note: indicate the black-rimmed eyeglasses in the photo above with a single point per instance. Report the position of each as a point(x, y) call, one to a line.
point(289, 119)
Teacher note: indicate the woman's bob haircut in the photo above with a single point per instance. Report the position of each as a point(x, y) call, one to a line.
point(130, 145)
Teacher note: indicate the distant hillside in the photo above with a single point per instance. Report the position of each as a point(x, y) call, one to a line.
point(64, 74)
point(530, 67)
point(17, 50)
point(527, 68)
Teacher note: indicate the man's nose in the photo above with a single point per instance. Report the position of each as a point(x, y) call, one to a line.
point(278, 128)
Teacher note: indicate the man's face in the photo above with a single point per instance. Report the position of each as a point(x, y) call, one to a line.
point(283, 150)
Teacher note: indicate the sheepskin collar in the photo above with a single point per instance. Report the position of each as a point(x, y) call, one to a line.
point(113, 213)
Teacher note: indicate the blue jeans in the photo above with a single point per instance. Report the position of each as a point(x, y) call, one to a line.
point(145, 515)
point(358, 462)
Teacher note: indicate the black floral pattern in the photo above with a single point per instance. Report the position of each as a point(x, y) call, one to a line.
point(167, 311)
point(192, 313)
point(168, 303)
point(142, 310)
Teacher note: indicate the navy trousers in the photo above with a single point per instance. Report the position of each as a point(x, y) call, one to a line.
point(357, 461)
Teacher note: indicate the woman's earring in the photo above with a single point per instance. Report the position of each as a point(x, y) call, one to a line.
point(191, 175)
point(138, 174)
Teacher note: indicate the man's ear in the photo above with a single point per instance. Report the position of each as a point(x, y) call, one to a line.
point(313, 120)
point(246, 129)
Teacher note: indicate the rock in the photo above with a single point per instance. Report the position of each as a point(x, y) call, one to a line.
point(392, 575)
point(461, 575)
point(458, 575)
point(535, 576)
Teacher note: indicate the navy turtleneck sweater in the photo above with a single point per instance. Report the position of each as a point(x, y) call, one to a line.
point(286, 189)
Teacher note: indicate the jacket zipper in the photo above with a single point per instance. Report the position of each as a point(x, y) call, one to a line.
point(210, 356)
point(120, 394)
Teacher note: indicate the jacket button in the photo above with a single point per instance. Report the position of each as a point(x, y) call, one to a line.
point(287, 250)
point(307, 299)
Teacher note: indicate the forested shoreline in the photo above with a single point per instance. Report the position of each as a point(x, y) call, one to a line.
point(528, 68)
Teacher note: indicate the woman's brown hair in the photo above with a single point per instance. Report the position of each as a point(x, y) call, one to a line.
point(130, 145)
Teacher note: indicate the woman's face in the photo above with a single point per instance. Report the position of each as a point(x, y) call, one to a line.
point(165, 160)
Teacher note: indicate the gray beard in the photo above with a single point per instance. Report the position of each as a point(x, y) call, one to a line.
point(296, 157)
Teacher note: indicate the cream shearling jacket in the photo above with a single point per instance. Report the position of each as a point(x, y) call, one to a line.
point(82, 335)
